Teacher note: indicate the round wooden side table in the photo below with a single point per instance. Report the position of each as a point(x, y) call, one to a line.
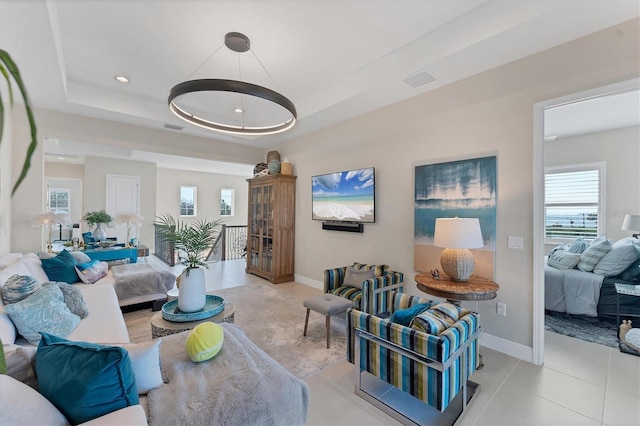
point(474, 289)
point(160, 327)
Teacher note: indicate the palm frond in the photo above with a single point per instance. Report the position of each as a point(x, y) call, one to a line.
point(190, 240)
point(13, 70)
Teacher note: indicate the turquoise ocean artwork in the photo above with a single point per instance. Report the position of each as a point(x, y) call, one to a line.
point(465, 188)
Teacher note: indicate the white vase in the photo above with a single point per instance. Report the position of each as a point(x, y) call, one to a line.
point(192, 294)
point(99, 234)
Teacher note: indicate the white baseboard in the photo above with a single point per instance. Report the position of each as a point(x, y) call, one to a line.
point(499, 344)
point(508, 347)
point(308, 281)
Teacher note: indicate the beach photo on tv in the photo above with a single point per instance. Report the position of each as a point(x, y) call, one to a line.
point(347, 196)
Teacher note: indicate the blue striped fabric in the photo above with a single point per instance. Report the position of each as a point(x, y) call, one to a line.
point(427, 384)
point(364, 299)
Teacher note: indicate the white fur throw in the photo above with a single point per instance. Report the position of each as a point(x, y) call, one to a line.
point(240, 386)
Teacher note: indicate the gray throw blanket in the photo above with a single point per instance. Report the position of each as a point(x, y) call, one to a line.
point(241, 385)
point(136, 279)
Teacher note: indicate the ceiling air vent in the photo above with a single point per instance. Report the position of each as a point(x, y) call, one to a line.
point(173, 126)
point(419, 79)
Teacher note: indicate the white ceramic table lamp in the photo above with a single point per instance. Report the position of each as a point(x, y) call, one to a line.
point(457, 236)
point(632, 223)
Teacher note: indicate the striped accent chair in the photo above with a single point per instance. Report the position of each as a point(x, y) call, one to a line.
point(428, 367)
point(376, 292)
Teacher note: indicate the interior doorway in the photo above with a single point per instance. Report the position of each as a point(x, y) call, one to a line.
point(539, 199)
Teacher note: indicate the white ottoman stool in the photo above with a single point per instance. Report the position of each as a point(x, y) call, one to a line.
point(326, 304)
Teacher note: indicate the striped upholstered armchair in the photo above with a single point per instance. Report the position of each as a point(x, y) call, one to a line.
point(369, 295)
point(433, 368)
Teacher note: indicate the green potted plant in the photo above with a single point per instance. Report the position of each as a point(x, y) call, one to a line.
point(98, 218)
point(192, 242)
point(8, 68)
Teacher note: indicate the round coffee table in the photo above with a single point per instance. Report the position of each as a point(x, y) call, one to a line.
point(160, 327)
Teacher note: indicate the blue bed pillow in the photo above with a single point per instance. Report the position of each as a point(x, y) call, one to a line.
point(632, 273)
point(61, 268)
point(404, 316)
point(84, 380)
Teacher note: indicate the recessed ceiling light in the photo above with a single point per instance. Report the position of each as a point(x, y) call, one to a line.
point(60, 158)
point(238, 110)
point(121, 78)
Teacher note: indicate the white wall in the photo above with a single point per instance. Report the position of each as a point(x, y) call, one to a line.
point(490, 113)
point(208, 194)
point(620, 150)
point(6, 172)
point(28, 199)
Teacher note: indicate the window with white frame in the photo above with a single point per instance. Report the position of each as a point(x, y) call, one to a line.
point(59, 200)
point(188, 201)
point(574, 201)
point(227, 201)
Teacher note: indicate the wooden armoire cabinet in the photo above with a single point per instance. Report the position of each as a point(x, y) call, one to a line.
point(271, 233)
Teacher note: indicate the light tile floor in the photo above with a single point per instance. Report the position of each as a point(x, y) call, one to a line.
point(580, 383)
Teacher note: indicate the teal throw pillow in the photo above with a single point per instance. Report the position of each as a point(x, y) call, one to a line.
point(19, 287)
point(61, 267)
point(404, 316)
point(92, 271)
point(43, 311)
point(84, 380)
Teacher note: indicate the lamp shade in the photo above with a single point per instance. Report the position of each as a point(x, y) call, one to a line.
point(458, 233)
point(631, 223)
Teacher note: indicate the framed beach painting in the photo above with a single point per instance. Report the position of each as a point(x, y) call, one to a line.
point(464, 188)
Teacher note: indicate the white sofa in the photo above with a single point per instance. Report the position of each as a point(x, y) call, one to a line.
point(104, 324)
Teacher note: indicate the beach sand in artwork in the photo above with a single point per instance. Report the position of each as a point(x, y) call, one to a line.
point(354, 211)
point(427, 257)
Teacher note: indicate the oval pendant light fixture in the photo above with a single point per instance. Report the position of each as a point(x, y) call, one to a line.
point(239, 43)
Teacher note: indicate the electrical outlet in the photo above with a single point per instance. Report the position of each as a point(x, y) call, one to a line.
point(516, 243)
point(501, 309)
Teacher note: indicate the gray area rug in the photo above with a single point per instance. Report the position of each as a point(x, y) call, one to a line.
point(582, 327)
point(274, 321)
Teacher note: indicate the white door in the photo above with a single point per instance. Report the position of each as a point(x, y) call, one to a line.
point(123, 197)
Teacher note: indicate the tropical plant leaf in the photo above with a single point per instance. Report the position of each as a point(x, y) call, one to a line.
point(3, 362)
point(190, 240)
point(13, 70)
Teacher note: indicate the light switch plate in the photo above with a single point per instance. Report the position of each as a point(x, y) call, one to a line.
point(516, 243)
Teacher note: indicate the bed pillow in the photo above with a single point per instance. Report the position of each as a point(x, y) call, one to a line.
point(592, 255)
point(84, 380)
point(578, 246)
point(7, 328)
point(72, 298)
point(43, 311)
point(92, 271)
point(632, 273)
point(618, 259)
point(354, 277)
point(61, 268)
point(563, 260)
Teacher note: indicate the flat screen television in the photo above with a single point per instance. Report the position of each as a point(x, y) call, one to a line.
point(347, 196)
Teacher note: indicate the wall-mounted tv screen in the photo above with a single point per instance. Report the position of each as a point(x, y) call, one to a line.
point(347, 196)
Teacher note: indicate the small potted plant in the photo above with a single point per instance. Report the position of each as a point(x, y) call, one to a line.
point(98, 218)
point(192, 242)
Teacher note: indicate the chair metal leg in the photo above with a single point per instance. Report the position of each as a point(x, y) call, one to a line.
point(306, 322)
point(328, 321)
